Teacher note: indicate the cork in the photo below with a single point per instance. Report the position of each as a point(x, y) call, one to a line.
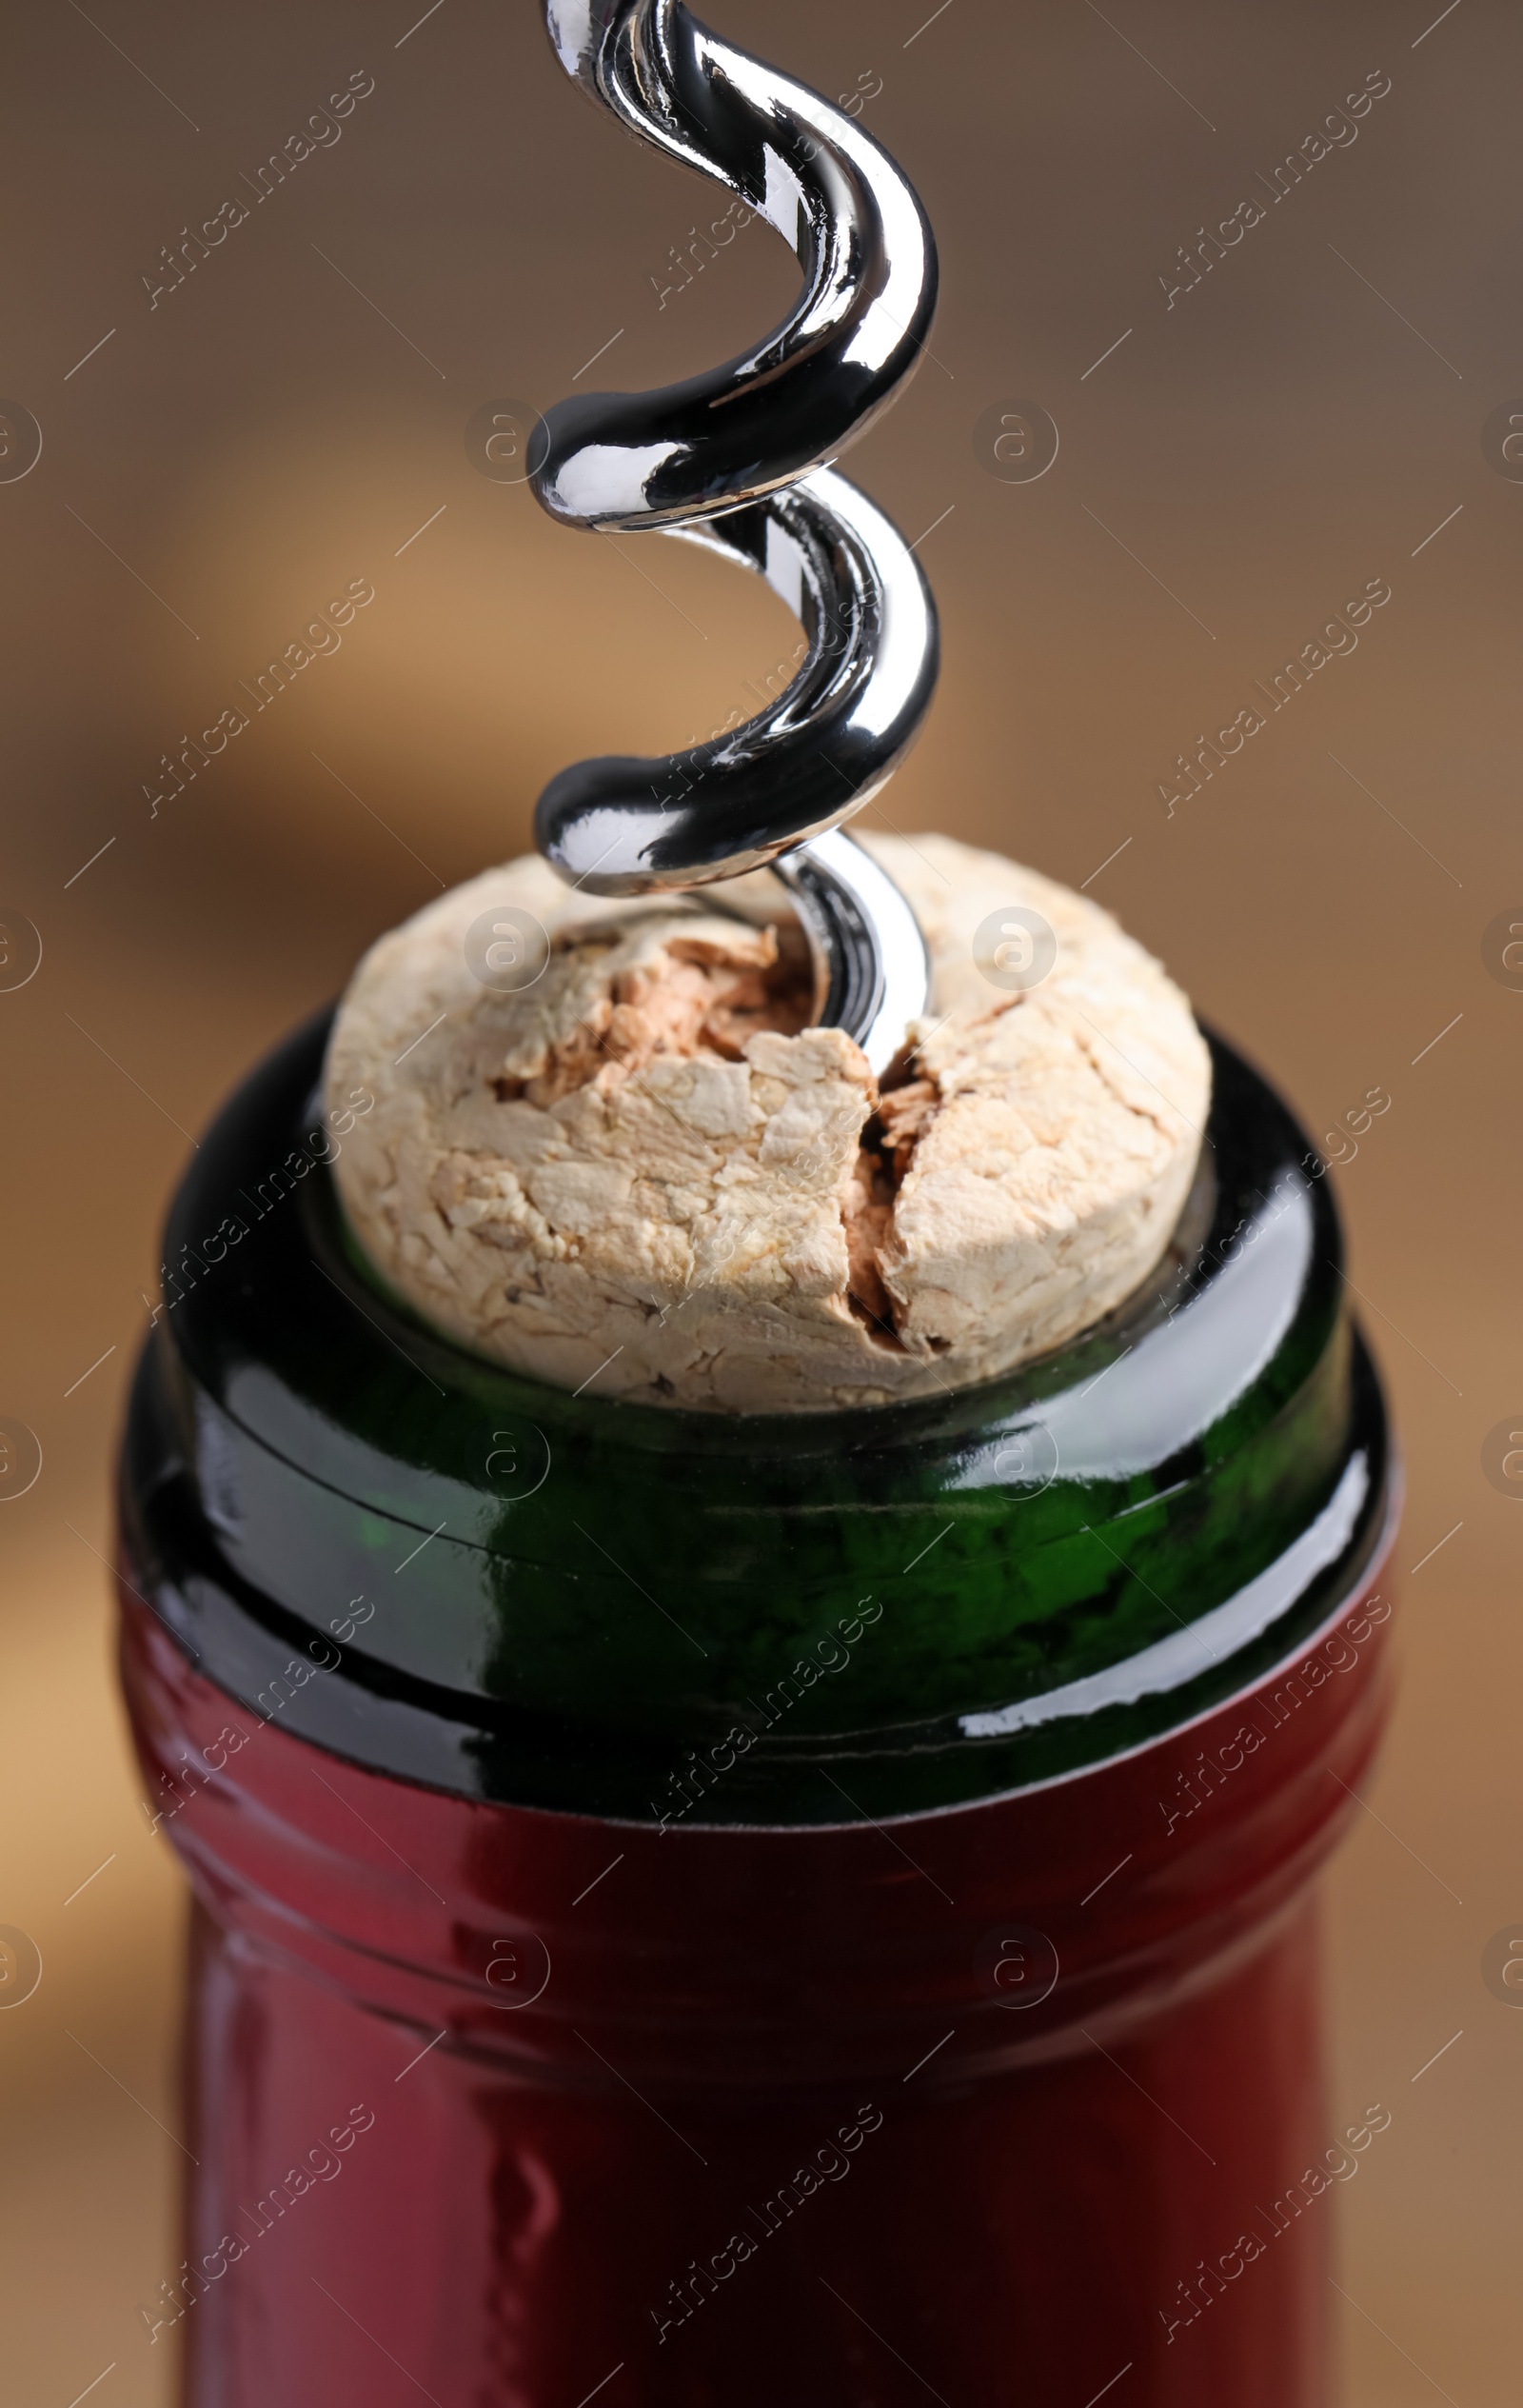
point(608, 1150)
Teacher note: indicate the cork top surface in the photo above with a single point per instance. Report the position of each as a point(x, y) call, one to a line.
point(608, 1150)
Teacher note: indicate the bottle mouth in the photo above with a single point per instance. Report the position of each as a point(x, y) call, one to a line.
point(518, 1593)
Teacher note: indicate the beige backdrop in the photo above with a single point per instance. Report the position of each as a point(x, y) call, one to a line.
point(220, 460)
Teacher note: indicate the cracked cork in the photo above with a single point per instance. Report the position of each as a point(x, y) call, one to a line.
point(648, 1168)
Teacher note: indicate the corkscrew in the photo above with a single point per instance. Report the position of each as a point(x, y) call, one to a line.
point(740, 459)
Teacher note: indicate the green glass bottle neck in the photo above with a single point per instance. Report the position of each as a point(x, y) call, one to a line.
point(565, 1601)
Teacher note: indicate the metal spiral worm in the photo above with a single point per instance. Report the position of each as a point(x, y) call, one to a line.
point(737, 459)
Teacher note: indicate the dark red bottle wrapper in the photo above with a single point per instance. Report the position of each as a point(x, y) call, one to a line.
point(511, 2108)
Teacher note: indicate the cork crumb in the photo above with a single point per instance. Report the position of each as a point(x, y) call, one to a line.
point(697, 998)
point(701, 997)
point(907, 1102)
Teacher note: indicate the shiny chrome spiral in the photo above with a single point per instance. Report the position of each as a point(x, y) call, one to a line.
point(737, 458)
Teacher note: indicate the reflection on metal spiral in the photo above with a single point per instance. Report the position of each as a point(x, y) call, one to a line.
point(737, 458)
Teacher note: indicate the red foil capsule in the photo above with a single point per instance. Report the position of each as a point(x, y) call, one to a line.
point(499, 2105)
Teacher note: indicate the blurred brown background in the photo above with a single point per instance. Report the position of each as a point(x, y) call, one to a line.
point(218, 465)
